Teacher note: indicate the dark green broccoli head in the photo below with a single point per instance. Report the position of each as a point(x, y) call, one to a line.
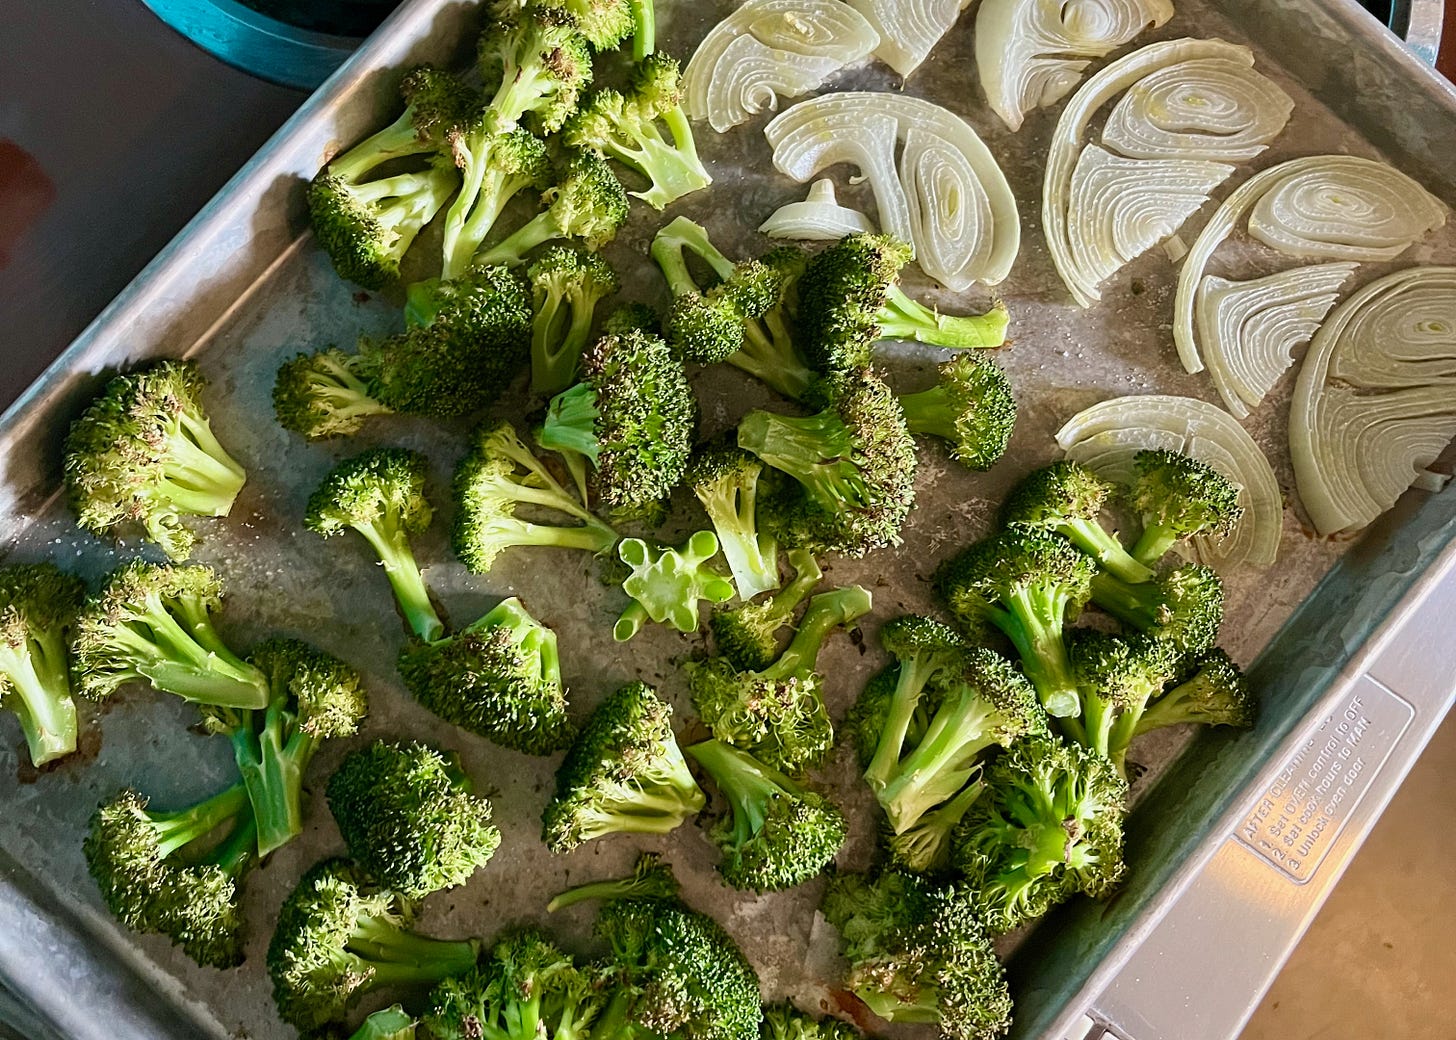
point(324, 696)
point(539, 62)
point(383, 488)
point(1183, 606)
point(705, 328)
point(604, 23)
point(325, 394)
point(853, 466)
point(500, 677)
point(526, 987)
point(1178, 497)
point(39, 603)
point(623, 773)
point(972, 408)
point(587, 203)
point(841, 294)
point(777, 833)
point(437, 101)
point(144, 453)
point(1211, 691)
point(409, 818)
point(1117, 677)
point(1067, 498)
point(1048, 825)
point(783, 1021)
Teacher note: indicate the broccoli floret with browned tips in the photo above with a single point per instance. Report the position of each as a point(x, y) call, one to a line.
point(325, 394)
point(1068, 498)
point(632, 317)
point(588, 203)
point(1212, 691)
point(537, 64)
point(972, 408)
point(568, 284)
point(1183, 606)
point(1117, 677)
point(495, 167)
point(144, 453)
point(39, 604)
point(1178, 497)
point(748, 635)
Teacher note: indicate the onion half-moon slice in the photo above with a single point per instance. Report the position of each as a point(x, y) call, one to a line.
point(1106, 436)
point(908, 29)
point(1375, 401)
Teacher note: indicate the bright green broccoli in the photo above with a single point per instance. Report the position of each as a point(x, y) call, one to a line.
point(850, 298)
point(1178, 497)
point(783, 1021)
point(495, 168)
point(1212, 692)
point(919, 953)
point(1048, 825)
point(538, 63)
point(972, 408)
point(725, 479)
point(632, 317)
point(624, 773)
point(39, 603)
point(633, 418)
point(667, 583)
point(644, 28)
point(169, 873)
point(381, 494)
point(525, 989)
point(392, 1023)
point(1029, 584)
point(499, 677)
point(587, 203)
point(626, 127)
point(568, 284)
point(1067, 498)
point(313, 697)
point(748, 635)
point(777, 833)
point(1117, 677)
point(144, 453)
point(409, 818)
point(153, 623)
point(339, 936)
point(367, 223)
point(1183, 606)
point(853, 466)
point(778, 713)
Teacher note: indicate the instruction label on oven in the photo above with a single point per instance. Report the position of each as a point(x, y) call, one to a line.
point(1295, 823)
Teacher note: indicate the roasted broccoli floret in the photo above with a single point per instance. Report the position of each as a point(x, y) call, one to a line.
point(778, 713)
point(725, 480)
point(667, 583)
point(918, 952)
point(1028, 584)
point(495, 168)
point(538, 63)
point(1211, 692)
point(39, 603)
point(632, 317)
point(850, 298)
point(381, 494)
point(153, 623)
point(326, 394)
point(604, 23)
point(525, 989)
point(499, 677)
point(499, 474)
point(392, 1023)
point(853, 466)
point(1117, 677)
point(623, 773)
point(587, 203)
point(1178, 497)
point(339, 936)
point(1183, 606)
point(313, 697)
point(783, 1021)
point(777, 833)
point(1047, 825)
point(568, 284)
point(626, 127)
point(972, 408)
point(651, 878)
point(409, 817)
point(748, 635)
point(143, 452)
point(632, 417)
point(158, 872)
point(1067, 498)
point(925, 846)
point(367, 225)
point(743, 318)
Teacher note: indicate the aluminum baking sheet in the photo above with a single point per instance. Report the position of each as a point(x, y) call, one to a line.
point(244, 287)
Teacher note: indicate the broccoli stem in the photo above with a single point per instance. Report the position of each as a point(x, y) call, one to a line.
point(931, 413)
point(925, 846)
point(192, 662)
point(904, 318)
point(909, 685)
point(644, 32)
point(812, 449)
point(398, 139)
point(391, 544)
point(1035, 627)
point(631, 621)
point(272, 763)
point(1154, 544)
point(1094, 730)
point(571, 421)
point(748, 784)
point(769, 356)
point(400, 956)
point(752, 557)
point(40, 694)
point(348, 396)
point(826, 612)
point(544, 227)
point(555, 348)
point(201, 477)
point(1132, 603)
point(238, 848)
point(942, 762)
point(669, 251)
point(177, 830)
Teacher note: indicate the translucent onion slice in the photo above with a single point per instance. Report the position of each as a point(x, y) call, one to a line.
point(1106, 436)
point(1031, 53)
point(947, 197)
point(1337, 207)
point(1225, 110)
point(909, 29)
point(771, 49)
point(1250, 330)
point(1375, 401)
point(819, 218)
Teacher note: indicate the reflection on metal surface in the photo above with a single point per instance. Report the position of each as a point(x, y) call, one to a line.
point(1421, 28)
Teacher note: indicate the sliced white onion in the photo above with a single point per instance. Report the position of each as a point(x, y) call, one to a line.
point(1221, 108)
point(1250, 330)
point(1375, 401)
point(1338, 207)
point(771, 49)
point(908, 29)
point(1106, 436)
point(947, 196)
point(1031, 53)
point(819, 218)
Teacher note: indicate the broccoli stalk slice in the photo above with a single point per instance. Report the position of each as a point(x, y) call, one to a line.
point(1033, 623)
point(40, 693)
point(904, 318)
point(644, 32)
point(944, 760)
point(816, 450)
point(731, 505)
point(826, 612)
point(924, 846)
point(667, 583)
point(390, 542)
point(571, 421)
point(396, 955)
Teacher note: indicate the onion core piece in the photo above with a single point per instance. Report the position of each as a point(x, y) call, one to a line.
point(819, 218)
